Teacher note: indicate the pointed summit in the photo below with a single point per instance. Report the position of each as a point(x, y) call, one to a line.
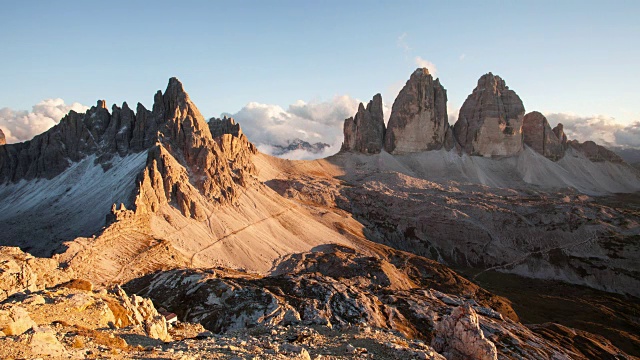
point(178, 105)
point(418, 120)
point(184, 123)
point(490, 120)
point(365, 132)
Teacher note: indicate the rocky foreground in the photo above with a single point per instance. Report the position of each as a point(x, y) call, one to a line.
point(332, 304)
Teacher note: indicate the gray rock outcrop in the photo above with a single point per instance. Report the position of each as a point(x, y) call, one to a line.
point(418, 120)
point(537, 134)
point(490, 120)
point(595, 152)
point(3, 140)
point(459, 336)
point(226, 125)
point(562, 137)
point(365, 132)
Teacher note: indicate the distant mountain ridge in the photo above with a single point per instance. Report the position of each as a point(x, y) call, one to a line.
point(299, 144)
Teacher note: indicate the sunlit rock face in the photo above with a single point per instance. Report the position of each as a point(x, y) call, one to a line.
point(3, 140)
point(490, 120)
point(418, 120)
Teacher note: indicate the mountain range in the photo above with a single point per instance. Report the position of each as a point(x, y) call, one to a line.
point(391, 240)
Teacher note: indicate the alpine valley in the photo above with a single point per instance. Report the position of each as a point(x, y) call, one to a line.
point(496, 237)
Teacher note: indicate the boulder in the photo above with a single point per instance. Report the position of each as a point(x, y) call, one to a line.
point(43, 341)
point(490, 120)
point(20, 272)
point(15, 320)
point(156, 328)
point(418, 120)
point(458, 336)
point(365, 132)
point(539, 136)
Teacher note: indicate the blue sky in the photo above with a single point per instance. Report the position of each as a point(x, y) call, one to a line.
point(578, 57)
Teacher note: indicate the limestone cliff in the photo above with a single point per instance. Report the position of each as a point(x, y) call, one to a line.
point(539, 136)
point(365, 132)
point(418, 120)
point(490, 120)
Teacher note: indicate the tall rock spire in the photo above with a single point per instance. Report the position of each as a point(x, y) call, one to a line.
point(490, 120)
point(365, 132)
point(418, 120)
point(539, 136)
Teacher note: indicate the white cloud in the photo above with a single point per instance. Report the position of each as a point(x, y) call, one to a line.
point(462, 57)
point(599, 128)
point(629, 136)
point(22, 125)
point(267, 125)
point(300, 154)
point(602, 129)
point(401, 42)
point(426, 64)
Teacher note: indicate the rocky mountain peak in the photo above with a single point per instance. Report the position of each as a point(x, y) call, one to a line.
point(490, 120)
point(595, 152)
point(559, 132)
point(226, 125)
point(181, 151)
point(539, 136)
point(492, 82)
point(365, 132)
point(178, 108)
point(418, 120)
point(420, 72)
point(3, 140)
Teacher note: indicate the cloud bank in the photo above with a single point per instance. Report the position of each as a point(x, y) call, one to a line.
point(267, 125)
point(602, 129)
point(22, 125)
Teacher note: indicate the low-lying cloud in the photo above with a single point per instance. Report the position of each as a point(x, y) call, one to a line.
point(629, 136)
point(604, 130)
point(267, 125)
point(22, 125)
